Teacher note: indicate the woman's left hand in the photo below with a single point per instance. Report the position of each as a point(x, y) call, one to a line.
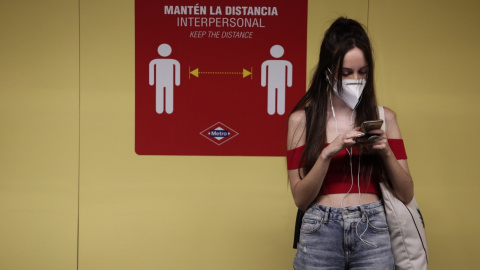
point(379, 145)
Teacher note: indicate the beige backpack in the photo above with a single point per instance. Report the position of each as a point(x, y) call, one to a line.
point(406, 227)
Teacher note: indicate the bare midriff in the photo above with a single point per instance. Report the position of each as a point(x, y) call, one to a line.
point(350, 199)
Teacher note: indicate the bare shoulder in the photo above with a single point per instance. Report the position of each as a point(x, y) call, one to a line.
point(393, 130)
point(390, 115)
point(297, 118)
point(296, 129)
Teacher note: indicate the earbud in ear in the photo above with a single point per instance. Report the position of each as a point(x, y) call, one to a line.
point(326, 77)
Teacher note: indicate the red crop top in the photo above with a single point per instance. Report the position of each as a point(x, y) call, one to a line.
point(338, 178)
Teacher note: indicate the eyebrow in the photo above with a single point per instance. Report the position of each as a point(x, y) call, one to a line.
point(352, 68)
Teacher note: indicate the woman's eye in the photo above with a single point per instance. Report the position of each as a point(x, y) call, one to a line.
point(347, 73)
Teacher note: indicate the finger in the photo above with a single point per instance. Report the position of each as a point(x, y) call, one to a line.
point(377, 147)
point(348, 143)
point(352, 136)
point(355, 134)
point(349, 140)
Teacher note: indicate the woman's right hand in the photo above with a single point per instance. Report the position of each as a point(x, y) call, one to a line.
point(342, 141)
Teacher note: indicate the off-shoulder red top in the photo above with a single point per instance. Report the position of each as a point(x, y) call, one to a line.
point(338, 178)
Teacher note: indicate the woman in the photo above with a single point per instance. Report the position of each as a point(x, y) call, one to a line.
point(333, 177)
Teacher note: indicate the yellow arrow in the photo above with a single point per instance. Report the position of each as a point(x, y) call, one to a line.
point(246, 73)
point(194, 72)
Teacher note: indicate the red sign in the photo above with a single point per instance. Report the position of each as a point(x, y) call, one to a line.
point(217, 77)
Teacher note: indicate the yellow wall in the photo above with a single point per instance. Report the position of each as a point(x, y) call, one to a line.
point(39, 134)
point(67, 144)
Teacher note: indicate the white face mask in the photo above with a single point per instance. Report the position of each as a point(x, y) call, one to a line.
point(352, 91)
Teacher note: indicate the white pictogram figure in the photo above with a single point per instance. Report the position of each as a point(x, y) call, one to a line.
point(161, 73)
point(275, 73)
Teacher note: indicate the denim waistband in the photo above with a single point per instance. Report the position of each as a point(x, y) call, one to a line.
point(349, 211)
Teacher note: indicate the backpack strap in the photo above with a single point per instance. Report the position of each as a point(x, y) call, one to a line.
point(381, 114)
point(298, 225)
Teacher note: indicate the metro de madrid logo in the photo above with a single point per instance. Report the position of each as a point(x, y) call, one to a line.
point(219, 133)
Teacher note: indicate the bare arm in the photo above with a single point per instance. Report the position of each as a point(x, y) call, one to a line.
point(151, 72)
point(264, 73)
point(397, 170)
point(305, 188)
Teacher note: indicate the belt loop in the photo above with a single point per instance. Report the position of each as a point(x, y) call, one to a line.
point(364, 215)
point(327, 213)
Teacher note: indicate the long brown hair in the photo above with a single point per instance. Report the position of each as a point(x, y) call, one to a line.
point(342, 36)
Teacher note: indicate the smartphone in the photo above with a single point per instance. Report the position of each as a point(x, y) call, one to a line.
point(368, 126)
point(371, 125)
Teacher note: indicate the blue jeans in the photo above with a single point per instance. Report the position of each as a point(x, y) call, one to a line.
point(354, 237)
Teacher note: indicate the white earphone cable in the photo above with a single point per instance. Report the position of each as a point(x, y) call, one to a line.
point(350, 152)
